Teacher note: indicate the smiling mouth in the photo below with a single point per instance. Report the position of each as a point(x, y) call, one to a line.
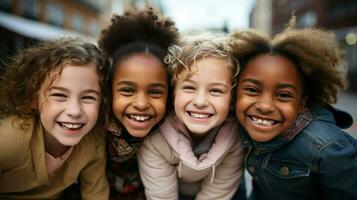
point(140, 118)
point(199, 115)
point(70, 126)
point(263, 122)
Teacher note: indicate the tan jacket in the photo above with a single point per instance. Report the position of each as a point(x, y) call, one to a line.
point(23, 173)
point(168, 165)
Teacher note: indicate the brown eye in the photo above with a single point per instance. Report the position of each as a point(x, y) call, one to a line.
point(156, 93)
point(284, 96)
point(251, 90)
point(126, 91)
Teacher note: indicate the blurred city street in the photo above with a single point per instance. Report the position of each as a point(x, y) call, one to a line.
point(348, 102)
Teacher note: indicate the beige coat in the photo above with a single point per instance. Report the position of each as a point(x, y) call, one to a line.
point(23, 173)
point(169, 167)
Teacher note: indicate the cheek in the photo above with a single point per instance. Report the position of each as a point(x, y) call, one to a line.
point(179, 98)
point(117, 105)
point(160, 107)
point(241, 105)
point(94, 112)
point(224, 106)
point(292, 111)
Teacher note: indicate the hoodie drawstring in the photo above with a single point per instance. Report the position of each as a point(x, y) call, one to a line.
point(179, 169)
point(213, 173)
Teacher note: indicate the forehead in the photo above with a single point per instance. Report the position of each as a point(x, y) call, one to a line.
point(272, 69)
point(141, 68)
point(209, 67)
point(71, 74)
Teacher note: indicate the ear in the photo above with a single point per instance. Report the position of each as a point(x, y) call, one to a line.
point(303, 104)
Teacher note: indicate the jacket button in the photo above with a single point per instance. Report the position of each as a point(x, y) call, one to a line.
point(251, 169)
point(256, 152)
point(284, 171)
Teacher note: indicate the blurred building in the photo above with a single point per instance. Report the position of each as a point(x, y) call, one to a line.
point(261, 15)
point(338, 16)
point(119, 6)
point(23, 22)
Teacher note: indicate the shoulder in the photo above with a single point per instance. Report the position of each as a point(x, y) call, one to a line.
point(14, 130)
point(156, 145)
point(15, 137)
point(323, 138)
point(323, 130)
point(155, 140)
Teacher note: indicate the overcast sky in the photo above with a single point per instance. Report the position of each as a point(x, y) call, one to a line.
point(190, 14)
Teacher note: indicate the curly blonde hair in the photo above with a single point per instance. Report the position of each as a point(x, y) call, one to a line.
point(313, 51)
point(194, 46)
point(27, 71)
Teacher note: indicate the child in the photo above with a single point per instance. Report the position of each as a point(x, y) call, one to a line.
point(197, 152)
point(295, 149)
point(51, 98)
point(136, 44)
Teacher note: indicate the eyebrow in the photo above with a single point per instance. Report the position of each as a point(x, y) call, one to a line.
point(125, 83)
point(280, 85)
point(287, 85)
point(157, 85)
point(131, 83)
point(213, 83)
point(250, 80)
point(67, 90)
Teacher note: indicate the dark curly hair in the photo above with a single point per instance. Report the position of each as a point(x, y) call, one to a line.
point(137, 32)
point(313, 51)
point(24, 75)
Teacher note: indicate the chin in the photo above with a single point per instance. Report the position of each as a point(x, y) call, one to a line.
point(139, 134)
point(198, 130)
point(263, 137)
point(70, 143)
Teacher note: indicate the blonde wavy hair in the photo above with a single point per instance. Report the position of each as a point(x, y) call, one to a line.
point(194, 46)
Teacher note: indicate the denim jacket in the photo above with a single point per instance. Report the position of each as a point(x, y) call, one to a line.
point(319, 162)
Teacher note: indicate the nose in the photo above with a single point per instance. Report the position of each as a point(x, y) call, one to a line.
point(200, 99)
point(265, 104)
point(74, 108)
point(141, 102)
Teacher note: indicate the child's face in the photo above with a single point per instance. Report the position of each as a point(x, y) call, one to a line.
point(269, 96)
point(140, 88)
point(69, 107)
point(202, 100)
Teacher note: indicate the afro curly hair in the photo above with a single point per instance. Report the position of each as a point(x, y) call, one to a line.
point(137, 32)
point(313, 51)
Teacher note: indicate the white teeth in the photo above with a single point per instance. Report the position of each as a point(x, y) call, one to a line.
point(71, 125)
point(139, 118)
point(200, 116)
point(262, 122)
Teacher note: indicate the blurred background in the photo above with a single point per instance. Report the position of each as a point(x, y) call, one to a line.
point(25, 22)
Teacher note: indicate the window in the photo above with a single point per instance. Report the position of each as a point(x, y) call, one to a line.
point(94, 29)
point(6, 5)
point(30, 9)
point(55, 14)
point(77, 21)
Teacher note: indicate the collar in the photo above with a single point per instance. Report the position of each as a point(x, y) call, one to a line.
point(178, 137)
point(120, 144)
